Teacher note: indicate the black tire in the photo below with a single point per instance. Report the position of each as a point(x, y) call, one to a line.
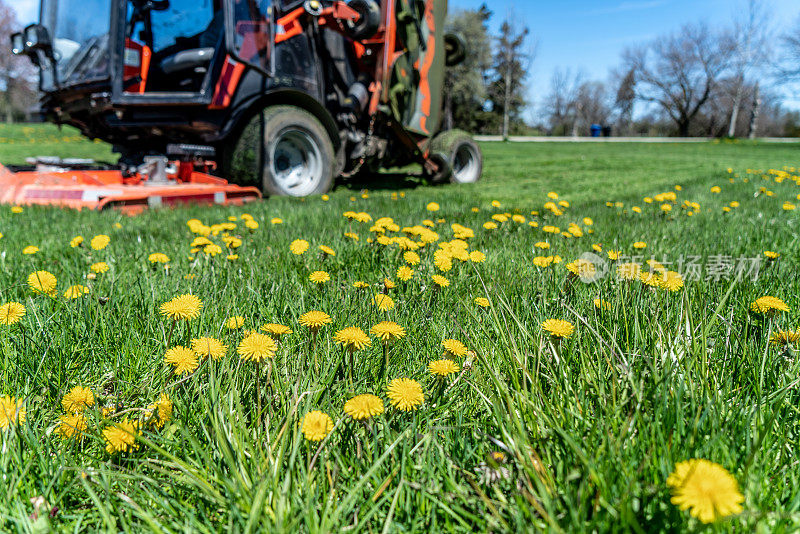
point(369, 22)
point(455, 49)
point(445, 170)
point(285, 151)
point(463, 155)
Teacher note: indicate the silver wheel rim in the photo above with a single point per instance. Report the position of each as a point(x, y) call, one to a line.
point(296, 162)
point(465, 164)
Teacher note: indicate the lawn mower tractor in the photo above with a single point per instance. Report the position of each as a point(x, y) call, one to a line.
point(278, 97)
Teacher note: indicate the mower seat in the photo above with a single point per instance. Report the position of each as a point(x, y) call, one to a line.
point(186, 60)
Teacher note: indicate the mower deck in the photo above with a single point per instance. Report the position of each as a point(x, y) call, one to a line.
point(99, 189)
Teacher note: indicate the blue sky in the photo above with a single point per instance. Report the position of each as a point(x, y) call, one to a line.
point(589, 36)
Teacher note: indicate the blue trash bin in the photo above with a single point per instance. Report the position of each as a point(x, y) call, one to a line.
point(596, 130)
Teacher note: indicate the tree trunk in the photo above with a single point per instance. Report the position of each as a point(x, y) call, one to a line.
point(448, 111)
point(751, 131)
point(507, 97)
point(737, 100)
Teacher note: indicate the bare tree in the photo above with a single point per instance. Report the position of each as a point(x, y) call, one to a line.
point(560, 103)
point(624, 100)
point(790, 56)
point(591, 104)
point(678, 72)
point(751, 49)
point(16, 73)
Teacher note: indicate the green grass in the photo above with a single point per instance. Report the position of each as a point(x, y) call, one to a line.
point(18, 142)
point(591, 427)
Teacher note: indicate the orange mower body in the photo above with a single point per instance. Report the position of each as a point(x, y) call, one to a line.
point(99, 189)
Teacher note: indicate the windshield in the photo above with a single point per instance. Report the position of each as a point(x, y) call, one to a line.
point(185, 19)
point(79, 32)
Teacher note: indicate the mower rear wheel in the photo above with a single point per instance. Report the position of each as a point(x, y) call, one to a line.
point(293, 150)
point(463, 156)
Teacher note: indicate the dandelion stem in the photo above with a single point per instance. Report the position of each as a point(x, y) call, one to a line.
point(258, 393)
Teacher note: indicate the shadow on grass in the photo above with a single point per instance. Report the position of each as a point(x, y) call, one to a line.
point(382, 181)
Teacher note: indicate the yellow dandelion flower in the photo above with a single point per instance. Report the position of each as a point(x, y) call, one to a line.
point(212, 250)
point(771, 255)
point(78, 399)
point(640, 245)
point(411, 258)
point(160, 411)
point(183, 307)
point(121, 436)
point(558, 328)
point(784, 337)
point(671, 281)
point(319, 277)
point(76, 241)
point(276, 220)
point(352, 338)
point(314, 320)
point(298, 246)
point(405, 273)
point(483, 302)
point(75, 291)
point(706, 489)
point(42, 282)
point(443, 367)
point(328, 251)
point(360, 284)
point(71, 425)
point(11, 313)
point(601, 304)
point(388, 284)
point(477, 256)
point(158, 257)
point(454, 348)
point(388, 331)
point(16, 209)
point(184, 360)
point(234, 323)
point(769, 305)
point(650, 279)
point(440, 280)
point(405, 394)
point(12, 411)
point(582, 268)
point(209, 347)
point(383, 302)
point(316, 425)
point(99, 267)
point(489, 225)
point(99, 242)
point(30, 250)
point(363, 406)
point(276, 330)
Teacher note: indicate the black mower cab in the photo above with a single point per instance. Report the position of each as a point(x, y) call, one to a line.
point(284, 94)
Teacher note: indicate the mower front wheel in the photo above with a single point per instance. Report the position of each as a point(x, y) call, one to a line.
point(285, 151)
